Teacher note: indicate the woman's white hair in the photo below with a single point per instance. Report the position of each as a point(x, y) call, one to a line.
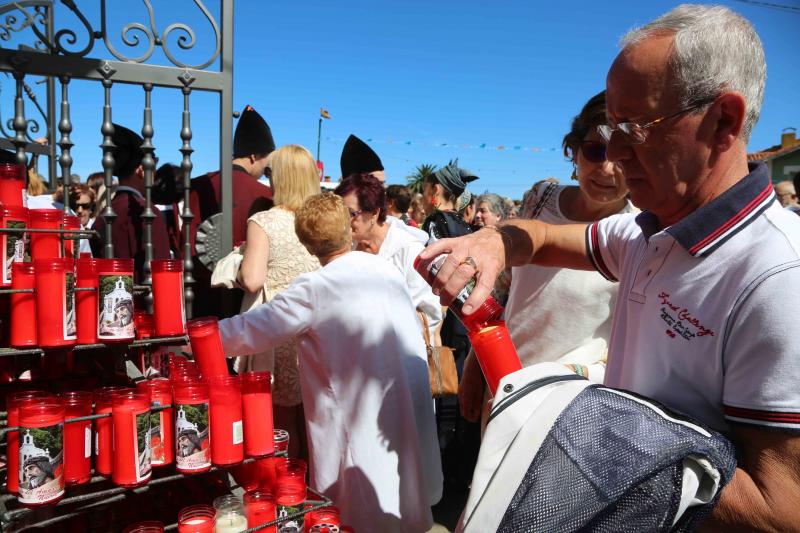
point(716, 50)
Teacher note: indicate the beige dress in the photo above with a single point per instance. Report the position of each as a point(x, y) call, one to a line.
point(287, 260)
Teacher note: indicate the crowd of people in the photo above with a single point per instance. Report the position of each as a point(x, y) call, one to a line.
point(662, 270)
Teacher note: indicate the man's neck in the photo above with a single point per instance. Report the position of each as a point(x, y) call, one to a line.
point(133, 183)
point(244, 163)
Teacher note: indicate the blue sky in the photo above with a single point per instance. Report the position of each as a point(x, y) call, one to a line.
point(426, 81)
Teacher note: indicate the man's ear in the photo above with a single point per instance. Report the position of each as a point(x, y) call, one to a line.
point(139, 172)
point(730, 110)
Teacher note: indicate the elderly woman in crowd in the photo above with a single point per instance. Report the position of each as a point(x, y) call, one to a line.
point(491, 210)
point(362, 364)
point(559, 314)
point(273, 258)
point(388, 237)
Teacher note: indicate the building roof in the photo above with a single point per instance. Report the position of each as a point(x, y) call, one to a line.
point(774, 151)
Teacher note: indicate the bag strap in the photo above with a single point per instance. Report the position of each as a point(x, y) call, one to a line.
point(551, 187)
point(426, 334)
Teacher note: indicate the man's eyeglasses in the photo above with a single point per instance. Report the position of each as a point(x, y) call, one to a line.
point(354, 214)
point(593, 151)
point(87, 206)
point(637, 133)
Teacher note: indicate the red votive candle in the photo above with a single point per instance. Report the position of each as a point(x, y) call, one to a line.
point(77, 437)
point(144, 324)
point(207, 346)
point(115, 300)
point(23, 306)
point(162, 423)
point(15, 246)
point(329, 516)
point(74, 223)
point(260, 509)
point(55, 302)
point(281, 442)
point(257, 411)
point(41, 451)
point(130, 418)
point(103, 429)
point(289, 499)
point(148, 526)
point(86, 301)
point(192, 444)
point(13, 401)
point(290, 470)
point(46, 245)
point(496, 353)
point(225, 410)
point(168, 311)
point(196, 519)
point(12, 185)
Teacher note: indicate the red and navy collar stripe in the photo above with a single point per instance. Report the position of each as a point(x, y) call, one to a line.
point(707, 228)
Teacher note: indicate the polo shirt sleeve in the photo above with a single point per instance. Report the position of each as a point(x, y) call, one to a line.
point(761, 361)
point(606, 240)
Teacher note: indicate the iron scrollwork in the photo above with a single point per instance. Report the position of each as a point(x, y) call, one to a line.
point(32, 126)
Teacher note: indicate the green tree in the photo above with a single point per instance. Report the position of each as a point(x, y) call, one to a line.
point(417, 178)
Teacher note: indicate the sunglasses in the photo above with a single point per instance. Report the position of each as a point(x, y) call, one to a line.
point(87, 205)
point(593, 151)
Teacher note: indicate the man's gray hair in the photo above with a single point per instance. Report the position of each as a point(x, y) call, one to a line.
point(716, 50)
point(495, 204)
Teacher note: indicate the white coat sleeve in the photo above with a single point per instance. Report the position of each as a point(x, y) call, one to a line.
point(264, 327)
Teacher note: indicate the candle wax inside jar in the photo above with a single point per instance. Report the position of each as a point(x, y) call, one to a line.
point(230, 523)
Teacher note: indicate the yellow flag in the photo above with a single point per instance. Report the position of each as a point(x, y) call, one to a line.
point(324, 113)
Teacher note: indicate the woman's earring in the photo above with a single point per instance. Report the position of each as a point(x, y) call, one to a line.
point(435, 202)
point(574, 173)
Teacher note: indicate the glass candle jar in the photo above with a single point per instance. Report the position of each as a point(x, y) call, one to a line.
point(196, 519)
point(148, 526)
point(13, 401)
point(496, 353)
point(230, 515)
point(207, 347)
point(257, 412)
point(130, 417)
point(23, 307)
point(77, 437)
point(290, 499)
point(103, 429)
point(86, 300)
point(162, 423)
point(115, 300)
point(55, 302)
point(46, 245)
point(41, 451)
point(168, 311)
point(15, 246)
point(329, 516)
point(12, 185)
point(290, 470)
point(260, 509)
point(192, 442)
point(144, 325)
point(281, 442)
point(71, 222)
point(227, 434)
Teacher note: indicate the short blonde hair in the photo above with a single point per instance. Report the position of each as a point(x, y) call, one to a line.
point(322, 224)
point(294, 176)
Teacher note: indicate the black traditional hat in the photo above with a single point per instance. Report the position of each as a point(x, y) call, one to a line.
point(252, 135)
point(453, 178)
point(358, 158)
point(128, 152)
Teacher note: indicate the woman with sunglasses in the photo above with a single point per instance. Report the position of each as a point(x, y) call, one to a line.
point(561, 314)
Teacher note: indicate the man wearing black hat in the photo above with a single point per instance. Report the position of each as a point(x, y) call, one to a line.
point(252, 143)
point(127, 230)
point(358, 158)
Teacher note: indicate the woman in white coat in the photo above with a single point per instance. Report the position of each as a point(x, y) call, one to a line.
point(361, 361)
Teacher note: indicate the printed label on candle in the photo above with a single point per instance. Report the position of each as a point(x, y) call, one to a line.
point(16, 248)
point(192, 445)
point(96, 444)
point(115, 307)
point(41, 462)
point(143, 450)
point(286, 510)
point(157, 436)
point(69, 306)
point(87, 443)
point(238, 434)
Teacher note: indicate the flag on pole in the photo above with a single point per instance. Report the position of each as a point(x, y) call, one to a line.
point(323, 113)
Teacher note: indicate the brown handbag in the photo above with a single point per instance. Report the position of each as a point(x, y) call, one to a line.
point(441, 364)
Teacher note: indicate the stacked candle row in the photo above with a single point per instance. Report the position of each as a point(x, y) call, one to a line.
point(97, 306)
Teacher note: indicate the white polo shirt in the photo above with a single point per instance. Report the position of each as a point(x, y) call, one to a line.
point(706, 320)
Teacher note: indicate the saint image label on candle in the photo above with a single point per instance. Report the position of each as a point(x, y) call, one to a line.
point(70, 332)
point(143, 450)
point(115, 306)
point(157, 435)
point(87, 445)
point(16, 247)
point(192, 444)
point(41, 460)
point(238, 433)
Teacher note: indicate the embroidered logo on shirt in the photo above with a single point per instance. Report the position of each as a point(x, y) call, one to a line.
point(680, 320)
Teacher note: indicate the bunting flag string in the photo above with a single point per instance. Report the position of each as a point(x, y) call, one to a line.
point(482, 146)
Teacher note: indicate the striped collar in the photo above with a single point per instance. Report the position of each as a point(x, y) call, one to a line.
point(707, 228)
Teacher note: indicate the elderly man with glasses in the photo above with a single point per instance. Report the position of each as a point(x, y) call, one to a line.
point(702, 324)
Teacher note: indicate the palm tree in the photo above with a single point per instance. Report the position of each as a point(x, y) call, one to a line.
point(417, 178)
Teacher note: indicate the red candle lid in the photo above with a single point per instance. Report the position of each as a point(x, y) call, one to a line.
point(77, 403)
point(103, 395)
point(148, 526)
point(166, 265)
point(14, 212)
point(133, 398)
point(122, 266)
point(46, 215)
point(256, 376)
point(200, 327)
point(72, 222)
point(156, 385)
point(40, 411)
point(193, 512)
point(12, 171)
point(22, 267)
point(13, 399)
point(54, 263)
point(188, 391)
